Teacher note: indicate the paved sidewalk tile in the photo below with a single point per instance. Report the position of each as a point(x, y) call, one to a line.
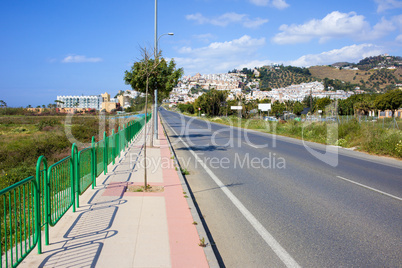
point(115, 228)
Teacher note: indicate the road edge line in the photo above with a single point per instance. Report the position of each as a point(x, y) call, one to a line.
point(370, 188)
point(283, 255)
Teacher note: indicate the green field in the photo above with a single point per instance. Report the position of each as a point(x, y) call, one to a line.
point(24, 138)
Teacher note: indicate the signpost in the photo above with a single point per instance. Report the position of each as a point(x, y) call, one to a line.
point(239, 108)
point(236, 107)
point(264, 107)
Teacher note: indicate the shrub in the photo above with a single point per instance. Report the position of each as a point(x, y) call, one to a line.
point(189, 108)
point(47, 123)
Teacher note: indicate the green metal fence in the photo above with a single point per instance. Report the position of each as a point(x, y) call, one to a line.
point(60, 190)
point(20, 223)
point(85, 169)
point(99, 153)
point(41, 201)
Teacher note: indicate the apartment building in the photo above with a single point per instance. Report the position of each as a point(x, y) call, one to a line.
point(82, 102)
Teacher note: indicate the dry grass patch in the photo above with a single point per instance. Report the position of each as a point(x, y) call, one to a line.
point(149, 188)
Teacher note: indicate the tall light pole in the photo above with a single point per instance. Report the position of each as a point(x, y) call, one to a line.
point(156, 27)
point(155, 128)
point(156, 52)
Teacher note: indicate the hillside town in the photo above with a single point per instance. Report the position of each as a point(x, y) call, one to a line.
point(191, 87)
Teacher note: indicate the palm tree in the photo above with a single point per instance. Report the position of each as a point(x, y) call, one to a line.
point(3, 104)
point(58, 102)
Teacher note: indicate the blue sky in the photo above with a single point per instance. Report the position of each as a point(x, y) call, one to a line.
point(60, 47)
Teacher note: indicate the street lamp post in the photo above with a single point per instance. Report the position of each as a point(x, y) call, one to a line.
point(156, 92)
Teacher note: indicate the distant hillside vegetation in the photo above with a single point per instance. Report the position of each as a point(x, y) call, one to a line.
point(371, 80)
point(378, 62)
point(283, 76)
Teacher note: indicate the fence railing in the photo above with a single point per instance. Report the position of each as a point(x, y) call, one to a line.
point(20, 221)
point(41, 201)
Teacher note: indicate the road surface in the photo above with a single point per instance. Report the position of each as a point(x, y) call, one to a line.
point(276, 202)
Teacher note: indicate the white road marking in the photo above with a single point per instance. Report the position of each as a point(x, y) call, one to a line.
point(252, 145)
point(269, 239)
point(367, 187)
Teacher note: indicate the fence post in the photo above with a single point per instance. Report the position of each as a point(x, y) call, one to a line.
point(126, 136)
point(37, 216)
point(42, 185)
point(129, 132)
point(113, 146)
point(118, 142)
point(93, 161)
point(75, 171)
point(105, 153)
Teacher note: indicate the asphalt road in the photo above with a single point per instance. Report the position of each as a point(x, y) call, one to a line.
point(271, 201)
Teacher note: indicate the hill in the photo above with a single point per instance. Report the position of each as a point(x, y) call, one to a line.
point(370, 80)
point(381, 61)
point(283, 76)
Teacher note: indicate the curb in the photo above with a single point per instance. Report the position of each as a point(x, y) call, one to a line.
point(209, 253)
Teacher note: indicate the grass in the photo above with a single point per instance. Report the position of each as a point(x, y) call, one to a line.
point(202, 242)
point(378, 138)
point(24, 138)
point(184, 171)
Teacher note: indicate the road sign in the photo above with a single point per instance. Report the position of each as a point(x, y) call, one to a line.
point(236, 107)
point(264, 107)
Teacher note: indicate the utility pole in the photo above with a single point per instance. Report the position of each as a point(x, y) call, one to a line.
point(156, 53)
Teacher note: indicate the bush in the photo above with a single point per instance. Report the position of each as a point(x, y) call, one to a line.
point(189, 108)
point(48, 123)
point(16, 174)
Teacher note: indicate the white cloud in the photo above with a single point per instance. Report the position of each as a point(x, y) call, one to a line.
point(384, 5)
point(219, 57)
point(399, 38)
point(382, 28)
point(79, 59)
point(254, 63)
point(398, 21)
point(334, 25)
point(351, 53)
point(228, 18)
point(279, 4)
point(204, 37)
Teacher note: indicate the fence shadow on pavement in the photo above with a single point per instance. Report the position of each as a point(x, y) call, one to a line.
point(82, 244)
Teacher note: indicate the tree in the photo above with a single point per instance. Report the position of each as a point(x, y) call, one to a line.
point(144, 71)
point(298, 108)
point(3, 104)
point(211, 102)
point(59, 102)
point(322, 103)
point(278, 108)
point(363, 107)
point(163, 76)
point(392, 100)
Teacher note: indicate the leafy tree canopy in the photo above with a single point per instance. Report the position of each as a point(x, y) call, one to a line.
point(212, 103)
point(391, 100)
point(163, 76)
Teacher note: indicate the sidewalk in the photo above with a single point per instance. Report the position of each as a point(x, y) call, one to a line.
point(118, 228)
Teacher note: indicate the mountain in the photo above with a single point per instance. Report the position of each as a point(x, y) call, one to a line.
point(372, 74)
point(382, 78)
point(341, 64)
point(384, 61)
point(282, 76)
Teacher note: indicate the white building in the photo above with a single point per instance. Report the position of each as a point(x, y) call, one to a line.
point(90, 102)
